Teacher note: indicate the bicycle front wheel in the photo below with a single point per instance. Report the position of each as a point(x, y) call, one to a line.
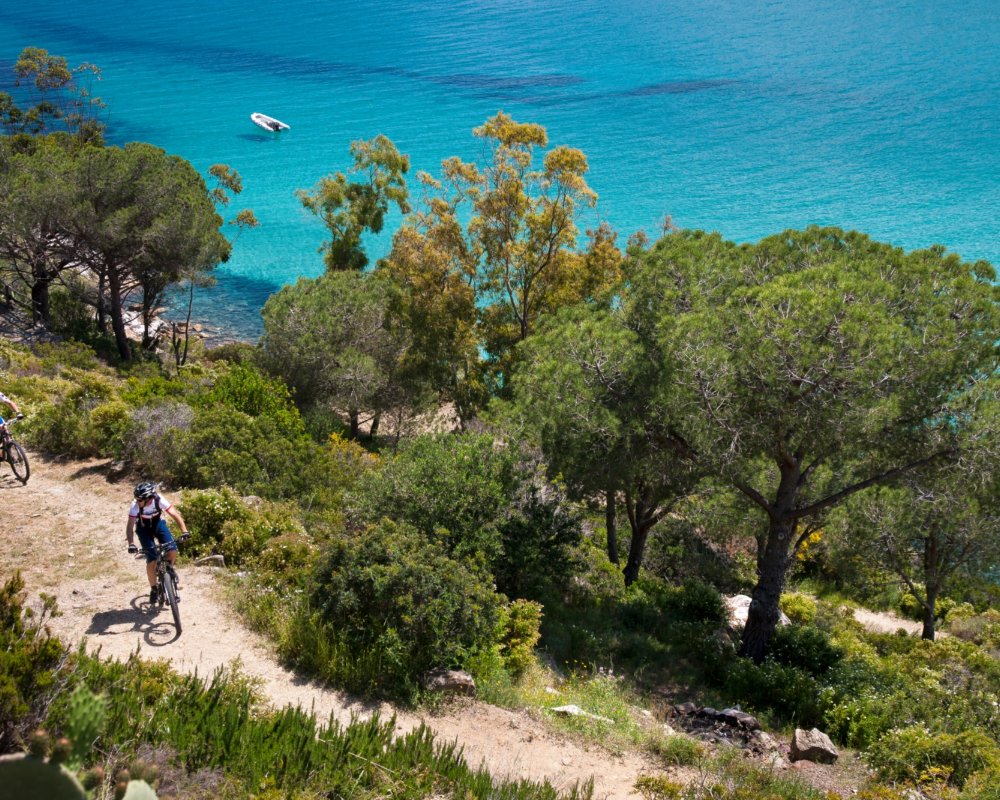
point(18, 461)
point(170, 591)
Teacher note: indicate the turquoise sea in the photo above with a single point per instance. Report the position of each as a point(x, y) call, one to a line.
point(744, 117)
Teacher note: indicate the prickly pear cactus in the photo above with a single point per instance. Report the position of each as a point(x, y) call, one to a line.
point(23, 775)
point(139, 790)
point(84, 722)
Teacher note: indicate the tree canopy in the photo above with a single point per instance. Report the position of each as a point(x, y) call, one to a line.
point(804, 369)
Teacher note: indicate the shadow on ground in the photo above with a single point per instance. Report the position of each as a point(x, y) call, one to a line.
point(139, 617)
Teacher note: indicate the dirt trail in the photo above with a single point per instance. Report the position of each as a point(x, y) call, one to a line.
point(65, 532)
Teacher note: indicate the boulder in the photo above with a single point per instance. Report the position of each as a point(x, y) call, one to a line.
point(685, 709)
point(576, 711)
point(735, 716)
point(812, 745)
point(739, 608)
point(454, 681)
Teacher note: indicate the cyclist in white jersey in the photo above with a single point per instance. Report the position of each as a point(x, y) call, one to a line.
point(145, 518)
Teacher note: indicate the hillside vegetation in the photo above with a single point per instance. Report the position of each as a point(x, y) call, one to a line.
point(811, 420)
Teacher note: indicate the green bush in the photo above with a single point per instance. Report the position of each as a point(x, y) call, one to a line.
point(206, 512)
point(696, 601)
point(245, 538)
point(788, 691)
point(29, 662)
point(909, 753)
point(399, 603)
point(110, 429)
point(243, 388)
point(799, 608)
point(519, 625)
point(805, 647)
point(680, 751)
point(287, 560)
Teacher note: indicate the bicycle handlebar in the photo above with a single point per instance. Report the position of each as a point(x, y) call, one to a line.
point(159, 548)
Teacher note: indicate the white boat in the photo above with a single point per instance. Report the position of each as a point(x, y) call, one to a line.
point(268, 123)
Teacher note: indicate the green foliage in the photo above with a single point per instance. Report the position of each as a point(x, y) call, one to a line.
point(799, 608)
point(216, 723)
point(519, 624)
point(246, 390)
point(29, 661)
point(681, 751)
point(207, 513)
point(805, 647)
point(483, 505)
point(789, 691)
point(907, 754)
point(398, 601)
point(245, 539)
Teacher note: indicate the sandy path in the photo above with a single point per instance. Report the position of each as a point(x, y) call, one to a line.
point(102, 592)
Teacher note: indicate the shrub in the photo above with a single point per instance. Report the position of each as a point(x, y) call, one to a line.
point(909, 753)
point(399, 603)
point(244, 538)
point(696, 601)
point(110, 429)
point(799, 608)
point(790, 692)
point(958, 612)
point(29, 662)
point(681, 751)
point(287, 559)
point(207, 512)
point(245, 389)
point(519, 633)
point(805, 647)
point(156, 440)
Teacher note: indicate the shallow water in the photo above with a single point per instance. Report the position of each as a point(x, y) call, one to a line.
point(746, 118)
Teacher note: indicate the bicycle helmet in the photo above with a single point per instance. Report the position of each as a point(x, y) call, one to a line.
point(144, 490)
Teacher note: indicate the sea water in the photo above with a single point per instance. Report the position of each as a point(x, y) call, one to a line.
point(744, 117)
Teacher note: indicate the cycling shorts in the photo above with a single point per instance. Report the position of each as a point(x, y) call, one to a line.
point(160, 534)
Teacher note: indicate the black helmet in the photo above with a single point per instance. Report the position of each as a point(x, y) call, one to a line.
point(144, 490)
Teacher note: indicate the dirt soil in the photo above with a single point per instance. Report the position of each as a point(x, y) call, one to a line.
point(65, 532)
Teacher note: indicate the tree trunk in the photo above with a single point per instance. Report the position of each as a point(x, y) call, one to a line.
point(376, 419)
point(118, 317)
point(635, 552)
point(40, 309)
point(355, 429)
point(929, 608)
point(611, 524)
point(772, 564)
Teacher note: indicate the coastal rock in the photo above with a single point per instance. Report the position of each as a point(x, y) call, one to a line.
point(576, 711)
point(739, 608)
point(454, 681)
point(813, 745)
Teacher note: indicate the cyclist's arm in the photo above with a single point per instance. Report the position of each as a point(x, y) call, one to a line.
point(176, 515)
point(11, 403)
point(130, 531)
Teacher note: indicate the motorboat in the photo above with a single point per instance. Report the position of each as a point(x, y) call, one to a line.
point(268, 123)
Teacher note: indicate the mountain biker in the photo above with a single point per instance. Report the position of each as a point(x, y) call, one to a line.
point(145, 518)
point(13, 407)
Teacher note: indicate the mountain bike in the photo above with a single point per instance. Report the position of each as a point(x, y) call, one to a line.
point(166, 579)
point(12, 452)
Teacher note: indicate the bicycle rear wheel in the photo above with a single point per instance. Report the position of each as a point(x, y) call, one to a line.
point(170, 590)
point(18, 461)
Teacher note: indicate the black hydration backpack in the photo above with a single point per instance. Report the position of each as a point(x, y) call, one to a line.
point(149, 525)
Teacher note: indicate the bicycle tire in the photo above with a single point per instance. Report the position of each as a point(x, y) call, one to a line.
point(18, 461)
point(170, 590)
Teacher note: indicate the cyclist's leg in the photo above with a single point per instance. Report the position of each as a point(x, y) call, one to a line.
point(146, 543)
point(164, 536)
